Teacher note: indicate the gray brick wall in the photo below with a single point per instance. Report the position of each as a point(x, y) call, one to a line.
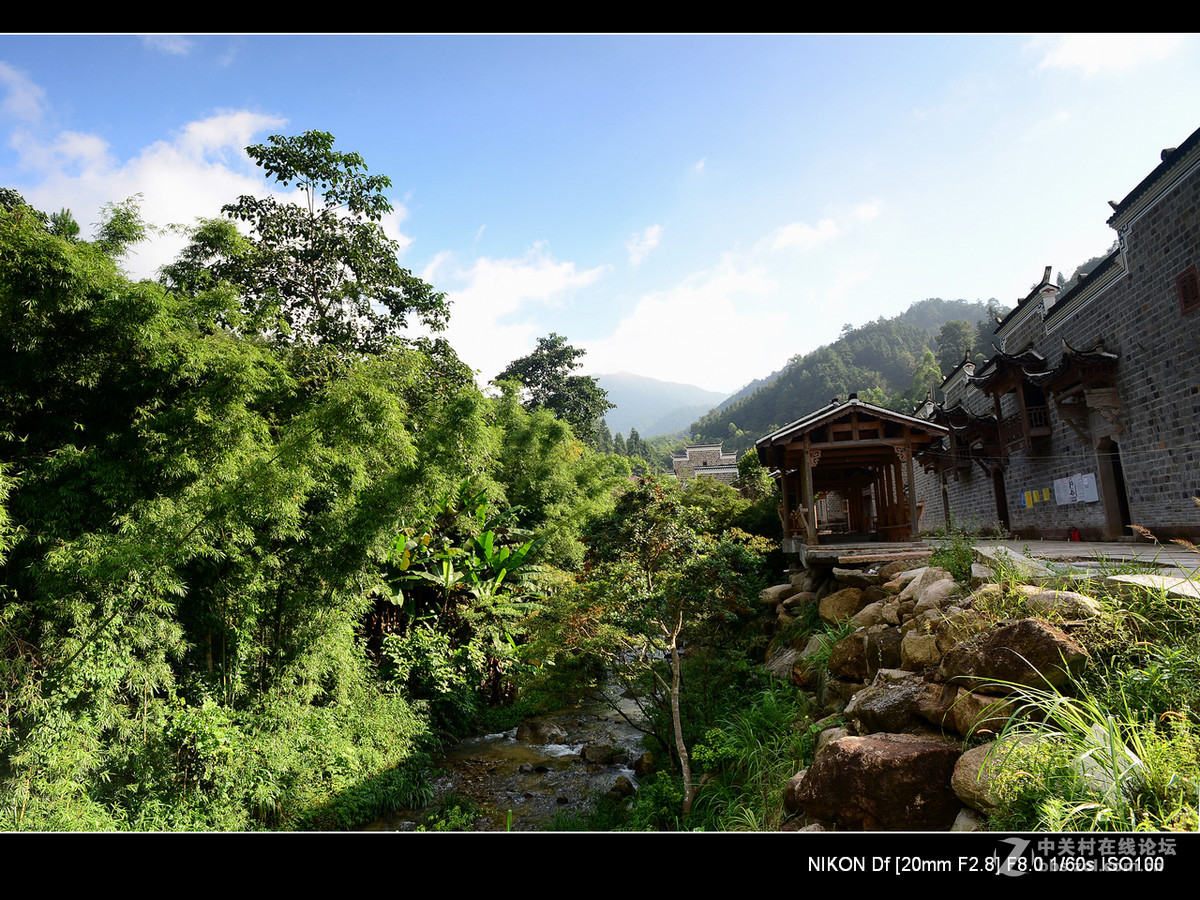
point(1139, 317)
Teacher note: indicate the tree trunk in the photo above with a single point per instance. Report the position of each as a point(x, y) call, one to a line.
point(685, 766)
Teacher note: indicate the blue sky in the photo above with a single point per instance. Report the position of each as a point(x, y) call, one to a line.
point(691, 208)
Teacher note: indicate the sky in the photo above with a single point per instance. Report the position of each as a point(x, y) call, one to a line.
point(693, 208)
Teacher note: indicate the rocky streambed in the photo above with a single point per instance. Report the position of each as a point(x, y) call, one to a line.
point(519, 779)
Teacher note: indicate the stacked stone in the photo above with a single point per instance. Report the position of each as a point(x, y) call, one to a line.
point(922, 670)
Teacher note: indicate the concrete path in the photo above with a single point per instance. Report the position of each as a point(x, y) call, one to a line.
point(1168, 559)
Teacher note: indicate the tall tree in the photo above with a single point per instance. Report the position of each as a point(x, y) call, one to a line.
point(545, 375)
point(955, 340)
point(321, 271)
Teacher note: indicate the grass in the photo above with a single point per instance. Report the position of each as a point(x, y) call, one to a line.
point(956, 554)
point(1078, 765)
point(750, 755)
point(1124, 753)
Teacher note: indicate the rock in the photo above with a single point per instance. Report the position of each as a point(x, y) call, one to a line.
point(841, 605)
point(892, 569)
point(888, 708)
point(975, 773)
point(968, 820)
point(883, 782)
point(935, 704)
point(1012, 565)
point(919, 650)
point(531, 731)
point(939, 593)
point(871, 614)
point(799, 600)
point(1029, 653)
point(881, 644)
point(781, 661)
point(848, 658)
point(981, 714)
point(644, 765)
point(829, 735)
point(777, 594)
point(980, 574)
point(621, 788)
point(957, 625)
point(791, 800)
point(1173, 587)
point(599, 753)
point(928, 576)
point(1067, 604)
point(858, 578)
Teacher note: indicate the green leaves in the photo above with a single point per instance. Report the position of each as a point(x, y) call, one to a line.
point(322, 272)
point(545, 376)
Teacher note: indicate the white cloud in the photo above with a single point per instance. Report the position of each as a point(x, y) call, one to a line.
point(698, 168)
point(174, 44)
point(866, 211)
point(802, 236)
point(640, 245)
point(1093, 53)
point(496, 288)
point(193, 174)
point(702, 331)
point(22, 98)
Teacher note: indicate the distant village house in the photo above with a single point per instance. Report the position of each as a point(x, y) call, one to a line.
point(705, 459)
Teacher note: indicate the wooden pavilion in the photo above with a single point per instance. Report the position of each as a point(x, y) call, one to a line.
point(862, 452)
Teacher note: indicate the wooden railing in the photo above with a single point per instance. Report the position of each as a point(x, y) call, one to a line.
point(1014, 429)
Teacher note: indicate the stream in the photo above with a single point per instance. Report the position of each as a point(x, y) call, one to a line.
point(521, 778)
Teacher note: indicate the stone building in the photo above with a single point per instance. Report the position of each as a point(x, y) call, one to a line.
point(1088, 417)
point(1086, 420)
point(705, 459)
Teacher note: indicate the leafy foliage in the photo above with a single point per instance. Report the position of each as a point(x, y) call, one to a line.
point(194, 527)
point(545, 375)
point(321, 271)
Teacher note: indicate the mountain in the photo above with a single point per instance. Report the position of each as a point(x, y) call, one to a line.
point(651, 406)
point(880, 361)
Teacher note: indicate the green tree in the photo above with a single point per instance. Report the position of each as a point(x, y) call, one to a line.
point(545, 375)
point(194, 534)
point(658, 574)
point(319, 272)
point(955, 340)
point(548, 477)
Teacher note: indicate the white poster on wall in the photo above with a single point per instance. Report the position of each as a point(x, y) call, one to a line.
point(1087, 488)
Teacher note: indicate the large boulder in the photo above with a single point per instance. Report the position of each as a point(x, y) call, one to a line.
point(859, 578)
point(975, 774)
point(883, 782)
point(848, 657)
point(841, 605)
point(1064, 604)
point(1028, 653)
point(886, 707)
point(777, 593)
point(1010, 565)
point(534, 731)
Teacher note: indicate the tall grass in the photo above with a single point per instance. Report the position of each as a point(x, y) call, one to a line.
point(749, 757)
point(1073, 764)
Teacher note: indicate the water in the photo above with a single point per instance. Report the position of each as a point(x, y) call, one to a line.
point(519, 783)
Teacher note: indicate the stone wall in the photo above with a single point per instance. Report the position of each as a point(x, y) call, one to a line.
point(1143, 443)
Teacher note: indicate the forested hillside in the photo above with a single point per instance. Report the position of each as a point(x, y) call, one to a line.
point(653, 406)
point(892, 362)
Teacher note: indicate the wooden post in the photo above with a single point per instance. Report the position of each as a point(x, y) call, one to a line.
point(787, 510)
point(912, 491)
point(811, 518)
